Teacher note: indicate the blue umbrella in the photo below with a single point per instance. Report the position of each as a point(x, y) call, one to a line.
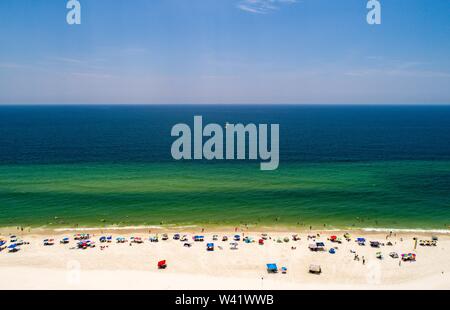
point(12, 246)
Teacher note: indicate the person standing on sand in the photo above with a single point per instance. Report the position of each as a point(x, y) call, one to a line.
point(364, 260)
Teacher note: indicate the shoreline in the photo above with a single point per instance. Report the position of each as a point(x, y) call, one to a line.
point(220, 228)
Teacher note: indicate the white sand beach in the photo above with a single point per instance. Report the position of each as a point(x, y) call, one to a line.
point(124, 266)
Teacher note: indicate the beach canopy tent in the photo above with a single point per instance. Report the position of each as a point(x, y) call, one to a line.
point(162, 264)
point(283, 270)
point(261, 241)
point(13, 248)
point(248, 239)
point(176, 237)
point(2, 242)
point(199, 238)
point(64, 240)
point(332, 251)
point(409, 257)
point(315, 269)
point(210, 247)
point(393, 255)
point(312, 247)
point(286, 239)
point(375, 244)
point(361, 241)
point(237, 237)
point(318, 246)
point(233, 246)
point(102, 239)
point(224, 238)
point(272, 268)
point(137, 240)
point(82, 236)
point(49, 242)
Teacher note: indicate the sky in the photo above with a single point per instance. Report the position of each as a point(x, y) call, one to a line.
point(224, 51)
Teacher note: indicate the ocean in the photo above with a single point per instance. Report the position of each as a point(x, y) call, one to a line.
point(340, 166)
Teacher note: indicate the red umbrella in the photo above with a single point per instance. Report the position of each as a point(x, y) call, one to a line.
point(333, 237)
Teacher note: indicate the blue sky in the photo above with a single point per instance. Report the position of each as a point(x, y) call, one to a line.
point(224, 51)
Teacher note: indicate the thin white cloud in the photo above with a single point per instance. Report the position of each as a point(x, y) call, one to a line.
point(262, 6)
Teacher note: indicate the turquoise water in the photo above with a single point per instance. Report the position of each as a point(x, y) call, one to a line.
point(343, 166)
point(406, 194)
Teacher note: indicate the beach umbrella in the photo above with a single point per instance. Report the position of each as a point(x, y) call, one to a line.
point(333, 237)
point(12, 246)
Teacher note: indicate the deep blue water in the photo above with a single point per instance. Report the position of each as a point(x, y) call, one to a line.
point(116, 134)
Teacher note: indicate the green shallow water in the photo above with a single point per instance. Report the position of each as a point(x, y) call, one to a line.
point(394, 194)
